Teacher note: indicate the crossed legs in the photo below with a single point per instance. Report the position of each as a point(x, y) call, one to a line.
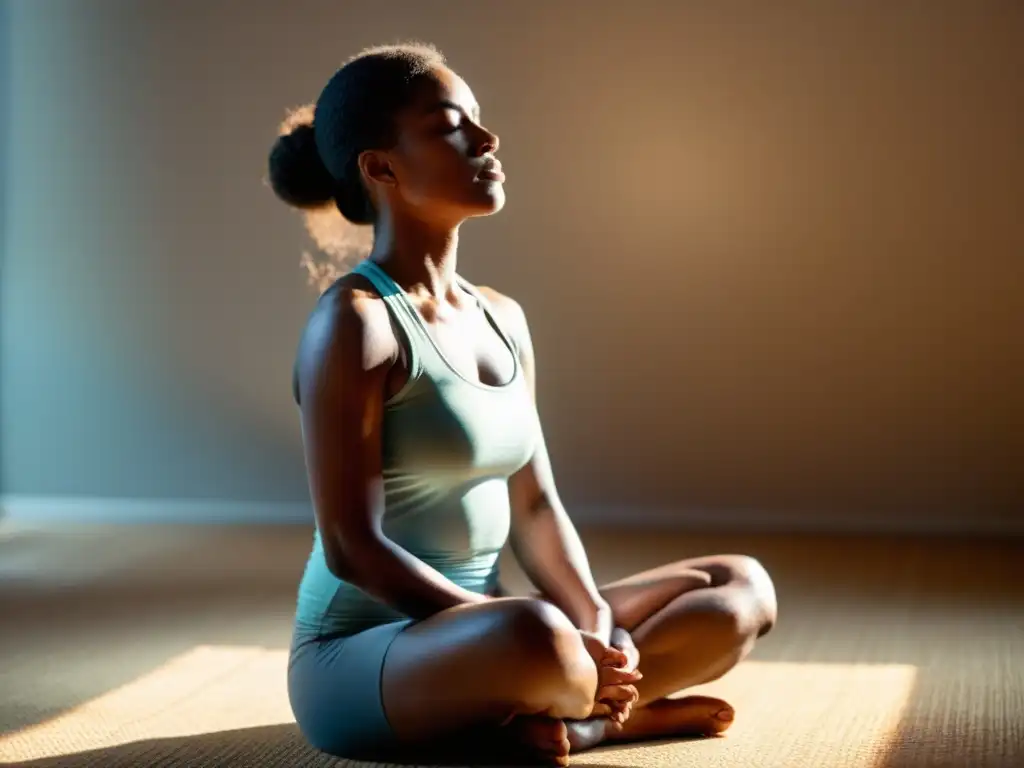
point(474, 667)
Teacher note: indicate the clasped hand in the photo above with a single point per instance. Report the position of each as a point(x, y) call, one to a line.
point(617, 669)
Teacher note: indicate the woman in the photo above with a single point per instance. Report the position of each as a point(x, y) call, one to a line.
point(425, 456)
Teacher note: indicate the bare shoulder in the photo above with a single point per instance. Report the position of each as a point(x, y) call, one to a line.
point(509, 313)
point(348, 331)
point(512, 319)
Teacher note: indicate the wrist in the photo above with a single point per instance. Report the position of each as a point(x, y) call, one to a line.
point(599, 622)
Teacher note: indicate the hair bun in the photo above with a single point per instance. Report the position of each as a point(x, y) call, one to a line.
point(297, 173)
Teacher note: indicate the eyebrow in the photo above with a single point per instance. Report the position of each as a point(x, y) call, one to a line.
point(446, 104)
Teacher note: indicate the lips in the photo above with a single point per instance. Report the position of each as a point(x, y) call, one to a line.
point(491, 171)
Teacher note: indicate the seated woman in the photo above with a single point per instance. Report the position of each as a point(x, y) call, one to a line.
point(425, 456)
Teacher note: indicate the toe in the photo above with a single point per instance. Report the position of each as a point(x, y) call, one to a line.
point(698, 714)
point(686, 717)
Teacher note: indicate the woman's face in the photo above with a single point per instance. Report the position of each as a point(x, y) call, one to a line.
point(443, 167)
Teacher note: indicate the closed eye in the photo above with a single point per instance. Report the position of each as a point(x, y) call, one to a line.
point(453, 120)
point(453, 112)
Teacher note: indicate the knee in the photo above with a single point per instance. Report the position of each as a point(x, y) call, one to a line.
point(744, 607)
point(762, 608)
point(539, 632)
point(553, 667)
point(531, 616)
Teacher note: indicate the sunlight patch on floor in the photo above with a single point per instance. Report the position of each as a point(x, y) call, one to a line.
point(205, 690)
point(851, 711)
point(219, 688)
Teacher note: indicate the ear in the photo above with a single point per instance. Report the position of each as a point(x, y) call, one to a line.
point(375, 165)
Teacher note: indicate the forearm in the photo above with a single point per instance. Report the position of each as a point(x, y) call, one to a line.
point(400, 580)
point(549, 549)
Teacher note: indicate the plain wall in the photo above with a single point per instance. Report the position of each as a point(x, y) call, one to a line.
point(5, 79)
point(771, 253)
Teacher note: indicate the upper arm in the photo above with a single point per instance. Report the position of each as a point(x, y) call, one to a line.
point(344, 357)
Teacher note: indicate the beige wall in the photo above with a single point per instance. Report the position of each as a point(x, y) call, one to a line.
point(771, 252)
point(5, 81)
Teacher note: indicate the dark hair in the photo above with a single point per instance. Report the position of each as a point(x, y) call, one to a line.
point(315, 160)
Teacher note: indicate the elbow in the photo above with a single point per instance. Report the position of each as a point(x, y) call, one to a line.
point(338, 564)
point(347, 554)
point(531, 507)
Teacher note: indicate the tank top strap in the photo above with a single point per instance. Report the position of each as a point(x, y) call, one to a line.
point(488, 309)
point(403, 313)
point(423, 351)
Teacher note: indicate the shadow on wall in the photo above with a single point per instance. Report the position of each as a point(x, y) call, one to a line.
point(5, 80)
point(248, 453)
point(197, 454)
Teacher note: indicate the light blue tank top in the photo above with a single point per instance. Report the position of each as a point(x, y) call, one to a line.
point(450, 443)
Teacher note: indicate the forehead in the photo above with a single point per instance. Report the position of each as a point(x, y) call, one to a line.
point(445, 87)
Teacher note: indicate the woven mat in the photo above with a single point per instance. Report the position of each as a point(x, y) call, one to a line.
point(888, 654)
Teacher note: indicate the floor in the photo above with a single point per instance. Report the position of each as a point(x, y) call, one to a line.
point(166, 647)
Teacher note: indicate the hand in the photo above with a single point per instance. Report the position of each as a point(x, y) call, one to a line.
point(622, 641)
point(616, 691)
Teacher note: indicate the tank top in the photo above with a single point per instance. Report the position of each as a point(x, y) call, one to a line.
point(450, 444)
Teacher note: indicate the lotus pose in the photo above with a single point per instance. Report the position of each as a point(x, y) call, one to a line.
point(425, 456)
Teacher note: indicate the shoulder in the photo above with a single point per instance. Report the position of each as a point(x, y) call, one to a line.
point(351, 308)
point(511, 317)
point(347, 332)
point(509, 313)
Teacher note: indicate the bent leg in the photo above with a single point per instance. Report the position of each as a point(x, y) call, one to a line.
point(693, 620)
point(479, 665)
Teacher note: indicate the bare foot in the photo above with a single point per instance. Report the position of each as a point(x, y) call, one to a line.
point(542, 739)
point(692, 716)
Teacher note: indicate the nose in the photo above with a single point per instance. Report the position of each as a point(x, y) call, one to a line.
point(489, 143)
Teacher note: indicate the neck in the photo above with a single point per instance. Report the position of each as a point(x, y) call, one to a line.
point(416, 255)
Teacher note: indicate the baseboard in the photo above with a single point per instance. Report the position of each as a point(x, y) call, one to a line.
point(47, 510)
point(830, 521)
point(42, 510)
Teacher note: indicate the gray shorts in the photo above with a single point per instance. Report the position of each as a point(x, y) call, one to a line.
point(334, 686)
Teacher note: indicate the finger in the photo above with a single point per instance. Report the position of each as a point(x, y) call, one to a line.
point(615, 658)
point(616, 676)
point(602, 709)
point(621, 714)
point(611, 693)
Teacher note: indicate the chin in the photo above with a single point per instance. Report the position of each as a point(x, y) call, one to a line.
point(490, 200)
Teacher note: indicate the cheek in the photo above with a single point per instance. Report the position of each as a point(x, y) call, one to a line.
point(437, 168)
